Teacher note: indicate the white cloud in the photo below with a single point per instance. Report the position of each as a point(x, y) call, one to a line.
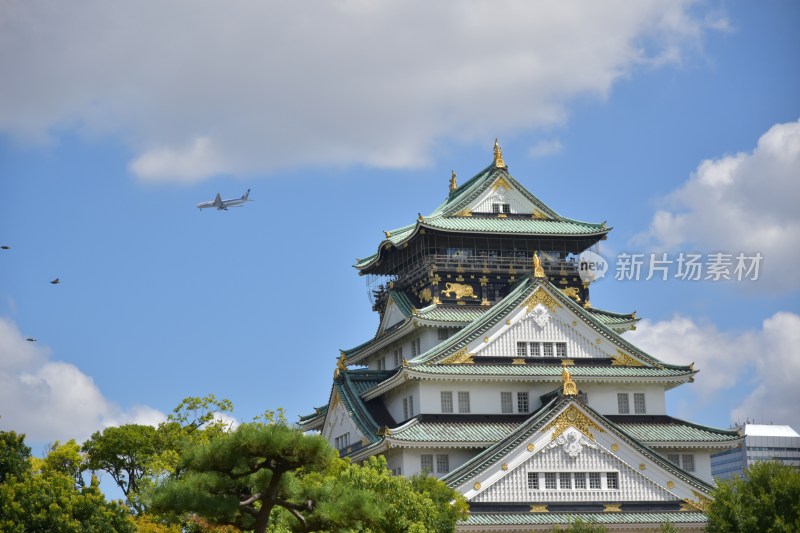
point(49, 400)
point(199, 88)
point(745, 202)
point(766, 361)
point(547, 147)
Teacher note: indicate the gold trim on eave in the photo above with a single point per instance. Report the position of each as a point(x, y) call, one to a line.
point(572, 417)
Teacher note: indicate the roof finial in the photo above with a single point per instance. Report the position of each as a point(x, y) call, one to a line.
point(453, 184)
point(569, 386)
point(498, 155)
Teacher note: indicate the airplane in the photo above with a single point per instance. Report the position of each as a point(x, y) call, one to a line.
point(223, 205)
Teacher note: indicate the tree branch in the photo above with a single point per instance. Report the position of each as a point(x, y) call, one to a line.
point(250, 500)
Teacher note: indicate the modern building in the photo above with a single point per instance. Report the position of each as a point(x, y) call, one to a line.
point(491, 369)
point(761, 443)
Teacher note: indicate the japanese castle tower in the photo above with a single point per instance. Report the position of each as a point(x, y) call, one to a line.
point(492, 370)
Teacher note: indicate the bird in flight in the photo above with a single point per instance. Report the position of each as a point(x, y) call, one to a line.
point(30, 339)
point(56, 281)
point(5, 247)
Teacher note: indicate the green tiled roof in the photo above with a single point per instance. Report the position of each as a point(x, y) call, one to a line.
point(674, 430)
point(577, 371)
point(532, 519)
point(318, 411)
point(444, 217)
point(350, 385)
point(452, 431)
point(443, 313)
point(611, 319)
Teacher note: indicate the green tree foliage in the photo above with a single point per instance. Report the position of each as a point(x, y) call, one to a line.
point(271, 476)
point(766, 499)
point(14, 455)
point(240, 477)
point(49, 498)
point(136, 456)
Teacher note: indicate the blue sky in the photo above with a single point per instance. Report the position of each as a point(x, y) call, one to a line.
point(677, 122)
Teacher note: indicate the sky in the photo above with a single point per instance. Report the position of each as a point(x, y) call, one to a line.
point(676, 122)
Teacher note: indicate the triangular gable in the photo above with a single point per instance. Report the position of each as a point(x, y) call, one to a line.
point(338, 422)
point(568, 437)
point(503, 191)
point(524, 315)
point(393, 315)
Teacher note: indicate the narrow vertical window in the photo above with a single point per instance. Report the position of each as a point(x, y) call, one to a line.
point(548, 349)
point(442, 464)
point(622, 403)
point(426, 463)
point(463, 402)
point(410, 406)
point(443, 334)
point(536, 349)
point(550, 482)
point(612, 480)
point(405, 408)
point(505, 402)
point(419, 345)
point(396, 358)
point(580, 480)
point(674, 458)
point(594, 480)
point(506, 208)
point(533, 480)
point(522, 349)
point(638, 403)
point(688, 462)
point(447, 401)
point(561, 349)
point(522, 402)
point(565, 481)
point(495, 208)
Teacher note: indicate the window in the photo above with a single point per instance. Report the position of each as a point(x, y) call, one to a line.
point(533, 480)
point(536, 349)
point(548, 349)
point(638, 403)
point(561, 349)
point(415, 347)
point(612, 480)
point(444, 333)
point(447, 401)
point(397, 471)
point(463, 402)
point(550, 481)
point(426, 463)
point(382, 363)
point(505, 403)
point(501, 208)
point(342, 441)
point(688, 462)
point(398, 357)
point(594, 480)
point(580, 480)
point(674, 458)
point(408, 407)
point(442, 464)
point(622, 402)
point(522, 349)
point(565, 480)
point(522, 402)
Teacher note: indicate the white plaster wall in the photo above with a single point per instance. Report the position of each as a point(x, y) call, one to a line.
point(702, 461)
point(484, 397)
point(411, 462)
point(337, 423)
point(394, 401)
point(603, 397)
